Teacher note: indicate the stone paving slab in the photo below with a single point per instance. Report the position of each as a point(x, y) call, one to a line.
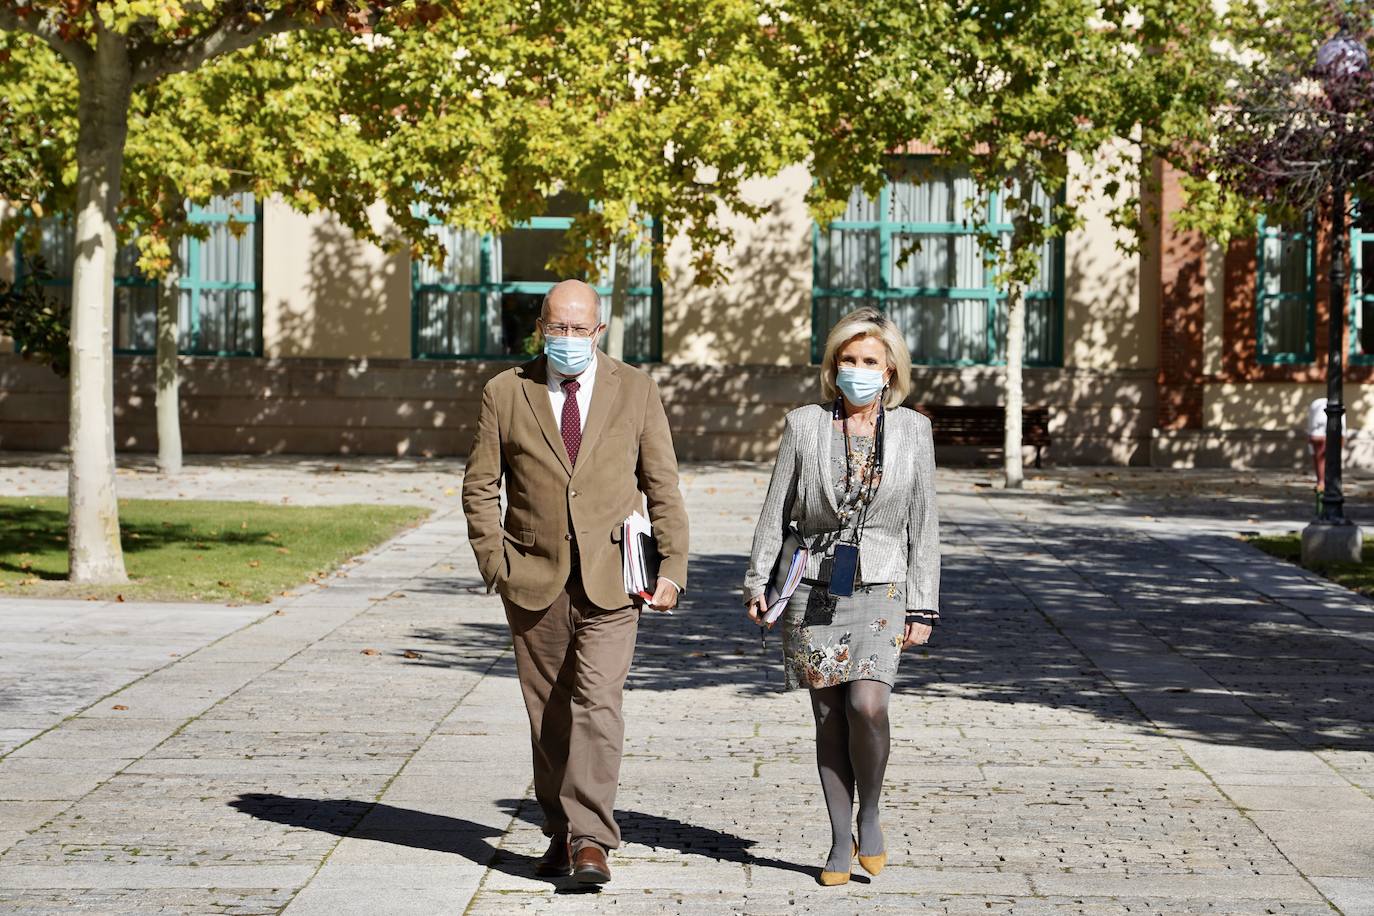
point(1124, 712)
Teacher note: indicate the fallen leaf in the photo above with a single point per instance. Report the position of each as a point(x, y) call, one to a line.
point(119, 706)
point(254, 563)
point(283, 550)
point(411, 653)
point(243, 525)
point(279, 612)
point(370, 652)
point(225, 584)
point(119, 598)
point(449, 491)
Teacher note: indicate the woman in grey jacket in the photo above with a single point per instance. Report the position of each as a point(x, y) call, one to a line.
point(855, 476)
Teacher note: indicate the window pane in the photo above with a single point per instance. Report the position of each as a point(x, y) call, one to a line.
point(1366, 315)
point(1285, 296)
point(135, 317)
point(518, 314)
point(829, 310)
point(1365, 281)
point(924, 195)
point(1042, 331)
point(1283, 326)
point(462, 263)
point(1285, 264)
point(943, 330)
point(525, 254)
point(227, 322)
point(447, 322)
point(848, 259)
point(936, 262)
point(221, 303)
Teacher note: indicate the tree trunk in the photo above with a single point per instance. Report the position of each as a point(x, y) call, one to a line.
point(168, 373)
point(620, 286)
point(1016, 348)
point(94, 551)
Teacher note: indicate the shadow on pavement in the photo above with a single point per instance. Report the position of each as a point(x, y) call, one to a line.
point(670, 833)
point(1261, 675)
point(440, 833)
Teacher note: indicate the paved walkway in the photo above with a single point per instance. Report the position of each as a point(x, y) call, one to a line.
point(1126, 711)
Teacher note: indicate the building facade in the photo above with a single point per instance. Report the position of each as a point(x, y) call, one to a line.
point(298, 338)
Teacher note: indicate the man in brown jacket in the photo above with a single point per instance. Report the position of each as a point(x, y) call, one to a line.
point(581, 440)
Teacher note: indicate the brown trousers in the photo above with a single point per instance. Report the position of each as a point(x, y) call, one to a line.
point(572, 658)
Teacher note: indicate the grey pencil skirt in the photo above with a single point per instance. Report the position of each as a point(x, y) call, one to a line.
point(827, 641)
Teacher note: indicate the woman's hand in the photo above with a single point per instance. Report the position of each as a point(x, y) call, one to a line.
point(758, 609)
point(917, 634)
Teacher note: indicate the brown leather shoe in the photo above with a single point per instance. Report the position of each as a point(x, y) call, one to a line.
point(557, 859)
point(589, 865)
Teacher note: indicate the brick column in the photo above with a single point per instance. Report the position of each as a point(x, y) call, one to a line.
point(1182, 268)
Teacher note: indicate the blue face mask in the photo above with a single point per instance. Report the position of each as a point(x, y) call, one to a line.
point(860, 386)
point(569, 355)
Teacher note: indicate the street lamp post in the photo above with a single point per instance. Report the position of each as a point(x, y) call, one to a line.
point(1332, 537)
point(1333, 499)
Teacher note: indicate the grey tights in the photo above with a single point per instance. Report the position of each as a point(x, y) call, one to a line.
point(852, 744)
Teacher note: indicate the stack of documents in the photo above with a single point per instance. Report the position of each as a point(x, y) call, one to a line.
point(641, 557)
point(781, 589)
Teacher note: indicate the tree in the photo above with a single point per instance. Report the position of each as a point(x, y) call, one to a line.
point(113, 50)
point(1283, 127)
point(1013, 91)
point(473, 118)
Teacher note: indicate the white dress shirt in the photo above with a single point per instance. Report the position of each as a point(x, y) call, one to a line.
point(584, 393)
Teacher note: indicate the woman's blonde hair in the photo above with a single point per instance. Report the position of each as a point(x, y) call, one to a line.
point(868, 322)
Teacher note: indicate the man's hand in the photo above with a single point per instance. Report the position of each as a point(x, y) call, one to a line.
point(917, 634)
point(757, 610)
point(665, 596)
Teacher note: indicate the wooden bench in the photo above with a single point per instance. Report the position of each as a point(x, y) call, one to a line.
point(955, 424)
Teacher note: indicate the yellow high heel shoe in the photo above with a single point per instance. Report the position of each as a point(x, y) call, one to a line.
point(873, 864)
point(834, 878)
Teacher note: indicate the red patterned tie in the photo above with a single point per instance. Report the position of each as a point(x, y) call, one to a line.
point(572, 419)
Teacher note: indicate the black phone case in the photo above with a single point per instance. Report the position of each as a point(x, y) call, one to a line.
point(843, 570)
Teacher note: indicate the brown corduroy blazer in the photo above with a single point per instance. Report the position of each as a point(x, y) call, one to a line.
point(626, 456)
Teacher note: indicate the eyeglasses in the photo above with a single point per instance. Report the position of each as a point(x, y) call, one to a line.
point(568, 330)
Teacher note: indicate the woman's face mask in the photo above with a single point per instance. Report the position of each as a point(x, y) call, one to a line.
point(860, 386)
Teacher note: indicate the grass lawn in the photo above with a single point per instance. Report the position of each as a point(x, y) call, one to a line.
point(194, 550)
point(1358, 577)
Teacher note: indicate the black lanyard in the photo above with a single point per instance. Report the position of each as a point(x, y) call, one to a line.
point(870, 484)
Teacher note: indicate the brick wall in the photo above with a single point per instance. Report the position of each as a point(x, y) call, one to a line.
point(1182, 283)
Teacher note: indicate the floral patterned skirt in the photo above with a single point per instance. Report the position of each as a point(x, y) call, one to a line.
point(827, 641)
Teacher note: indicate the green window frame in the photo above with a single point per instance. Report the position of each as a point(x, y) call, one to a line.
point(456, 308)
point(960, 322)
point(226, 266)
point(1285, 294)
point(1362, 289)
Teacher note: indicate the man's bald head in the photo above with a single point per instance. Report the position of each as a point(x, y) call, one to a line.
point(571, 303)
